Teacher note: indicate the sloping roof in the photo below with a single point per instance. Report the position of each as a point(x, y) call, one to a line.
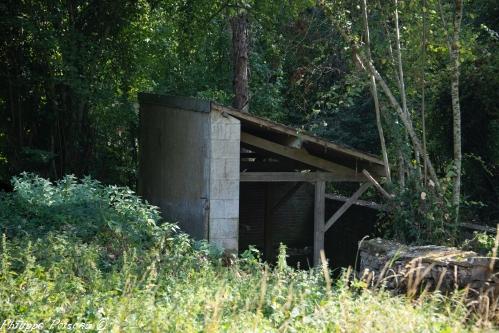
point(276, 132)
point(315, 145)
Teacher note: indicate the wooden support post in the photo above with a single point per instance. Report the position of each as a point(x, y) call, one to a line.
point(319, 217)
point(346, 205)
point(267, 227)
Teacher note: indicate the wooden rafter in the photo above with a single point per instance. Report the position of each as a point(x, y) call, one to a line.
point(298, 154)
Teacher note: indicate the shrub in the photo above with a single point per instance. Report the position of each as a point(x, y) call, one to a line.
point(421, 215)
point(87, 210)
point(87, 254)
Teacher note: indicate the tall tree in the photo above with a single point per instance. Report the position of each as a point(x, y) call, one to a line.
point(374, 92)
point(344, 29)
point(453, 44)
point(456, 108)
point(423, 91)
point(401, 85)
point(239, 25)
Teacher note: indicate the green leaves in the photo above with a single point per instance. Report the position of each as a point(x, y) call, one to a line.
point(113, 216)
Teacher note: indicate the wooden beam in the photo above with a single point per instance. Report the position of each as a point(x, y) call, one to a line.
point(297, 177)
point(346, 205)
point(377, 185)
point(362, 203)
point(296, 154)
point(319, 217)
point(478, 227)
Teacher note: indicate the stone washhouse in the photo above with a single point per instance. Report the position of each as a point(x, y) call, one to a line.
point(236, 180)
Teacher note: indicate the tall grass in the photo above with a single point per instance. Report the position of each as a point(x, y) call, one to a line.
point(167, 283)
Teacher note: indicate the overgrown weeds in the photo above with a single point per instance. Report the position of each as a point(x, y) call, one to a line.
point(91, 254)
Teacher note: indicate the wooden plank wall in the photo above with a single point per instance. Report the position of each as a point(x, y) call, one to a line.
point(341, 240)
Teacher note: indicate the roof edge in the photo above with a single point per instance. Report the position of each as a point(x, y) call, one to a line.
point(187, 103)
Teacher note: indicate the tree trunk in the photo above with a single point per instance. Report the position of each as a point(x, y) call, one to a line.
point(404, 117)
point(423, 92)
point(239, 25)
point(403, 95)
point(399, 60)
point(456, 109)
point(374, 92)
point(401, 171)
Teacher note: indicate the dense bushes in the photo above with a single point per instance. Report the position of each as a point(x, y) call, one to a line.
point(83, 209)
point(71, 217)
point(78, 253)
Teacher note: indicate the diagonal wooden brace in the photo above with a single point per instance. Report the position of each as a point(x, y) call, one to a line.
point(346, 205)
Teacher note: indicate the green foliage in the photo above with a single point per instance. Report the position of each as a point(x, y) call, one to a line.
point(52, 273)
point(109, 216)
point(420, 215)
point(72, 69)
point(482, 243)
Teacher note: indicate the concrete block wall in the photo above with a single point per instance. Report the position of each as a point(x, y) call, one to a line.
point(224, 181)
point(174, 167)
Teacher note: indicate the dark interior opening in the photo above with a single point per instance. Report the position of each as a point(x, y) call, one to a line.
point(288, 220)
point(290, 209)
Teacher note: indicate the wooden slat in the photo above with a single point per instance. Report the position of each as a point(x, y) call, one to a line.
point(297, 177)
point(346, 205)
point(377, 185)
point(319, 217)
point(296, 154)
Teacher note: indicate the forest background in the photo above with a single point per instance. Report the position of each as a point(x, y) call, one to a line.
point(71, 71)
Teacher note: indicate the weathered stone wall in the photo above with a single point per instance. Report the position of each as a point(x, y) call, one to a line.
point(429, 267)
